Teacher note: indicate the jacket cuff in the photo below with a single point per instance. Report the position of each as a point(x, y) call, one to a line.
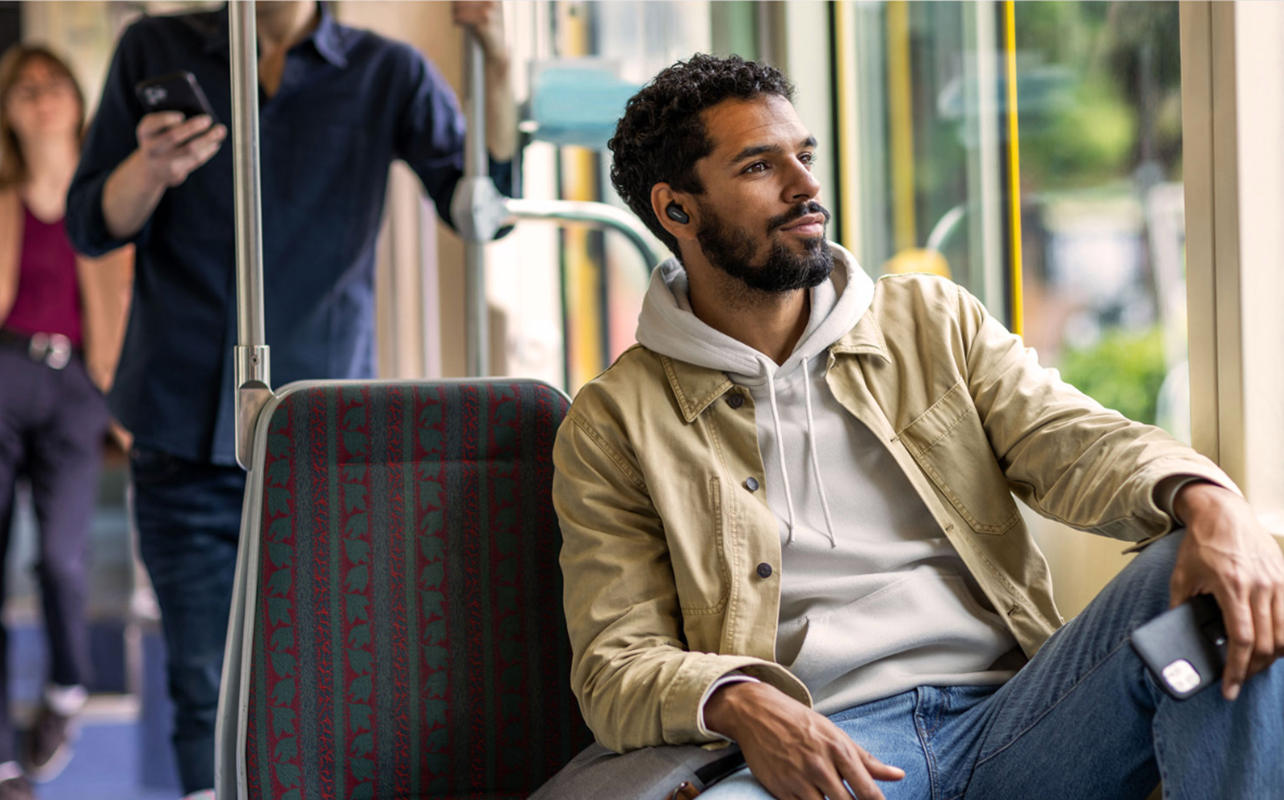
point(725, 680)
point(682, 703)
point(1163, 496)
point(1166, 494)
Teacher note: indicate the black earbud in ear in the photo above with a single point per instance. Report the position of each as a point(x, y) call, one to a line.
point(675, 213)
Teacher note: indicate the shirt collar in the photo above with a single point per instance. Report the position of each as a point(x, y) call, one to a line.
point(329, 40)
point(327, 37)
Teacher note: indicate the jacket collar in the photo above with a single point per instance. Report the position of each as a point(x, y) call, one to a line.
point(696, 388)
point(327, 38)
point(866, 338)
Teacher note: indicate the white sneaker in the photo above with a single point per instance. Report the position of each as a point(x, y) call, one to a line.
point(204, 794)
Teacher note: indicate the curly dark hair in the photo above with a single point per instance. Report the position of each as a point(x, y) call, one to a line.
point(662, 134)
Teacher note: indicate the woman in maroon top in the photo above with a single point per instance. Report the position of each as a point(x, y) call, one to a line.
point(62, 318)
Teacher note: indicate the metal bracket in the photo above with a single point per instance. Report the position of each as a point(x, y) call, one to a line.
point(253, 391)
point(478, 209)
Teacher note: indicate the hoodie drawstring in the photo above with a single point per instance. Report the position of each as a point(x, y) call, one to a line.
point(815, 462)
point(780, 452)
point(811, 446)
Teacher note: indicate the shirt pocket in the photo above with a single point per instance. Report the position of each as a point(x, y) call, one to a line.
point(950, 446)
point(697, 541)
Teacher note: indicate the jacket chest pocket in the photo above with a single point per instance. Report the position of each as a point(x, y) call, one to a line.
point(697, 542)
point(950, 446)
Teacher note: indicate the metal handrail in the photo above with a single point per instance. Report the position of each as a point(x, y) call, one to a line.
point(478, 210)
point(251, 357)
point(476, 168)
point(594, 213)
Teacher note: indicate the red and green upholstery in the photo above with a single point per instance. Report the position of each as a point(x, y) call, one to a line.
point(404, 624)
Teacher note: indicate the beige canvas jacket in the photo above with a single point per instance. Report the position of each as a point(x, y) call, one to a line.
point(663, 539)
point(105, 285)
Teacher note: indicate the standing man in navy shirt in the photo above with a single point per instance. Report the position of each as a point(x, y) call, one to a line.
point(337, 106)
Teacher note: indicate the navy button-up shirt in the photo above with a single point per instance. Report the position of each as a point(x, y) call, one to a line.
point(349, 103)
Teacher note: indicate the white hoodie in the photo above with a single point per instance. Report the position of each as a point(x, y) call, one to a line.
point(874, 599)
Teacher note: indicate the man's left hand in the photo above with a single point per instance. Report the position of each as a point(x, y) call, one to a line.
point(486, 18)
point(1229, 554)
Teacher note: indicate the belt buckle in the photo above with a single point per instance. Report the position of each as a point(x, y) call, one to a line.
point(53, 349)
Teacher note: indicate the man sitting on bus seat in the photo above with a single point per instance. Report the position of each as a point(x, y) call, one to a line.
point(788, 513)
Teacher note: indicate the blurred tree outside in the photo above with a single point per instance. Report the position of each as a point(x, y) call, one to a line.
point(1124, 108)
point(1123, 371)
point(1104, 138)
point(1099, 103)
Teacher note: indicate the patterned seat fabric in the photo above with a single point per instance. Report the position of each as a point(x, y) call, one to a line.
point(408, 636)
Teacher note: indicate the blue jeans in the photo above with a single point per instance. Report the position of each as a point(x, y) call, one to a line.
point(189, 523)
point(1083, 719)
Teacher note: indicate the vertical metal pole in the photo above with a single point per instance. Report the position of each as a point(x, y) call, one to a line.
point(476, 165)
point(253, 369)
point(245, 158)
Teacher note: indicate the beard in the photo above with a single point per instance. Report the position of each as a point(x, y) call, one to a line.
point(734, 251)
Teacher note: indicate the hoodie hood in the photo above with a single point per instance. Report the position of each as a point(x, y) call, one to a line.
point(668, 327)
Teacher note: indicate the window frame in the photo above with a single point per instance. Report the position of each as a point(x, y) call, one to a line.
point(1232, 122)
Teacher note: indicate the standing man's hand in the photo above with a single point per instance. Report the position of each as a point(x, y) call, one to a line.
point(169, 150)
point(1228, 554)
point(486, 19)
point(172, 148)
point(795, 753)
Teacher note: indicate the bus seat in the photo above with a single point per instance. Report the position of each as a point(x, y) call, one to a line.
point(397, 630)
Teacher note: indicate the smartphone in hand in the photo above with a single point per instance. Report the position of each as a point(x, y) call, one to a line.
point(1185, 647)
point(177, 91)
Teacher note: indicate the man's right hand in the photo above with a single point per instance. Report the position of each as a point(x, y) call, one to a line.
point(172, 148)
point(169, 150)
point(795, 753)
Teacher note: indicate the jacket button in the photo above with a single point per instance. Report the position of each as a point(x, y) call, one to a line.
point(764, 570)
point(736, 400)
point(751, 483)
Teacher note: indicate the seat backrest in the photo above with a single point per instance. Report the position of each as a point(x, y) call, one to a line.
point(404, 623)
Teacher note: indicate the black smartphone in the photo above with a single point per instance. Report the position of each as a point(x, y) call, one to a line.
point(1185, 647)
point(177, 91)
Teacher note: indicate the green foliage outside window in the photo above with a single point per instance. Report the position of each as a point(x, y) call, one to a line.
point(1123, 371)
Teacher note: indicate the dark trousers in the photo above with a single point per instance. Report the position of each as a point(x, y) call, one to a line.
point(189, 522)
point(52, 424)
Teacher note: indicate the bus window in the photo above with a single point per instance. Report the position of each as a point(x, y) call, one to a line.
point(950, 114)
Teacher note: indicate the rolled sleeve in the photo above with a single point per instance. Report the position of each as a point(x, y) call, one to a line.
point(86, 224)
point(1164, 496)
point(1166, 493)
point(430, 134)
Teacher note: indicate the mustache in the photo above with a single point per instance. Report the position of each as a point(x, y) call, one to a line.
point(796, 213)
